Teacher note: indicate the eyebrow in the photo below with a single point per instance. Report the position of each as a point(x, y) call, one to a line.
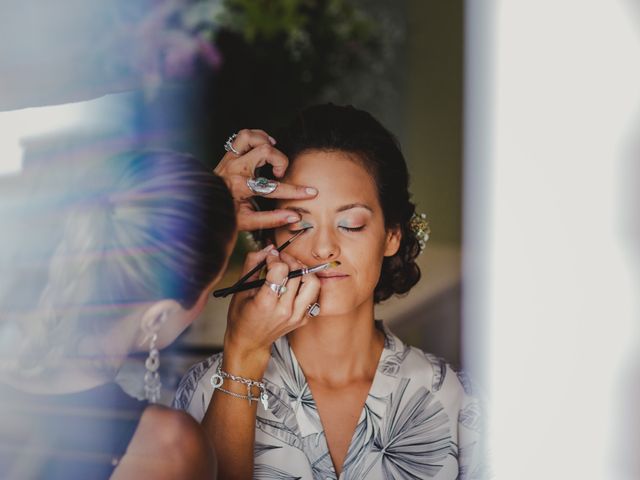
point(339, 209)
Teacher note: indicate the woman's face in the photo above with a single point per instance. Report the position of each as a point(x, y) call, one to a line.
point(348, 226)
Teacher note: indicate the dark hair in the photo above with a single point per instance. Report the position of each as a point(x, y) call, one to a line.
point(138, 227)
point(344, 128)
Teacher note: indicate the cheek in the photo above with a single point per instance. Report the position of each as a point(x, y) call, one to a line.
point(366, 259)
point(300, 249)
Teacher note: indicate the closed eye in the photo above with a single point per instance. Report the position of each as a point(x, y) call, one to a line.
point(353, 229)
point(301, 229)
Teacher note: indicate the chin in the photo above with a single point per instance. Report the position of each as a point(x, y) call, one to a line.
point(332, 304)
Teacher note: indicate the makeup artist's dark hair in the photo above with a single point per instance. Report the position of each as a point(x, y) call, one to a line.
point(138, 227)
point(347, 129)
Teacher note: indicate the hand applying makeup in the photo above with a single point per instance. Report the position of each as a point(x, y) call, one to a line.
point(256, 148)
point(258, 317)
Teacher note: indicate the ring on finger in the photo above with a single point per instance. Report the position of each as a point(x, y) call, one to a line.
point(313, 310)
point(228, 146)
point(262, 186)
point(279, 289)
point(283, 286)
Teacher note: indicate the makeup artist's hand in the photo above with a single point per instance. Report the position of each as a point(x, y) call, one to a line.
point(256, 149)
point(257, 318)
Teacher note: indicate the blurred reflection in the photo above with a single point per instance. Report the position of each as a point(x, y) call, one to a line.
point(104, 257)
point(552, 114)
point(72, 50)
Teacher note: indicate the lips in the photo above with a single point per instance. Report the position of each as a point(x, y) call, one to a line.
point(330, 276)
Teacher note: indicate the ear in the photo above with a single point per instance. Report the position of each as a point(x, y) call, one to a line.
point(154, 317)
point(392, 242)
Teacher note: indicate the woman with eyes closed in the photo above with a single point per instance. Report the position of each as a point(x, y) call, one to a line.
point(345, 398)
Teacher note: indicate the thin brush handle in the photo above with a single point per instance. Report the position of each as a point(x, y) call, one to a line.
point(262, 264)
point(258, 283)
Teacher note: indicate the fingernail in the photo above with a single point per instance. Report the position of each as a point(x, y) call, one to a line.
point(267, 248)
point(311, 191)
point(272, 140)
point(274, 252)
point(293, 219)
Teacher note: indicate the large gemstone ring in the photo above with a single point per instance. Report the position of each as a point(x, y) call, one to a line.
point(261, 185)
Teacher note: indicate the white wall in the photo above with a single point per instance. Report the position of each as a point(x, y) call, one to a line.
point(551, 307)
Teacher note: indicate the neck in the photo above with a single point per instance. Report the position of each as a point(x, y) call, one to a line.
point(339, 349)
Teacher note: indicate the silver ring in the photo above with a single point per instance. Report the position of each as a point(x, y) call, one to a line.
point(228, 146)
point(313, 310)
point(278, 289)
point(261, 185)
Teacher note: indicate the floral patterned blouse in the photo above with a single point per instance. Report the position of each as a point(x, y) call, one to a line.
point(420, 419)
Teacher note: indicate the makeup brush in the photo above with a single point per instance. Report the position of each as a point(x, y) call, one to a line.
point(222, 292)
point(258, 283)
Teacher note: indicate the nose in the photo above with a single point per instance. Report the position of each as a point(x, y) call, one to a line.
point(325, 246)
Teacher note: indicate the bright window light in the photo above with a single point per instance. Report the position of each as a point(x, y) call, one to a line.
point(551, 278)
point(18, 125)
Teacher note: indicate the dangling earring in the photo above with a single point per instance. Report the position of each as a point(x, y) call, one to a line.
point(152, 383)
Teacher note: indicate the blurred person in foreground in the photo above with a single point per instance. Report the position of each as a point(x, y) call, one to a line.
point(144, 237)
point(142, 240)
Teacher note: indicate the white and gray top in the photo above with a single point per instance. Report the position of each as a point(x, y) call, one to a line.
point(420, 420)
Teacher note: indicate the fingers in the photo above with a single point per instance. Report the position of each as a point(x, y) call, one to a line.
point(253, 259)
point(289, 191)
point(241, 191)
point(246, 139)
point(255, 150)
point(239, 188)
point(249, 220)
point(293, 283)
point(307, 295)
point(302, 292)
point(277, 271)
point(260, 156)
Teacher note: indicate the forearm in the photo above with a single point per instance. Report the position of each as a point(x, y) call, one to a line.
point(230, 422)
point(254, 322)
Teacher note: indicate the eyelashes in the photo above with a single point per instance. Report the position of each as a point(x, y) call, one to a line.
point(353, 229)
point(347, 229)
point(303, 226)
point(296, 230)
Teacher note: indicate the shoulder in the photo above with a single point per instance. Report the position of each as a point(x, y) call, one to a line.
point(176, 443)
point(196, 379)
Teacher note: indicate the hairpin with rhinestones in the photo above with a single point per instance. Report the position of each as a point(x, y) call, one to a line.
point(420, 228)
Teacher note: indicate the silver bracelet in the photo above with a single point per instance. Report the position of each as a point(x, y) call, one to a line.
point(245, 381)
point(217, 379)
